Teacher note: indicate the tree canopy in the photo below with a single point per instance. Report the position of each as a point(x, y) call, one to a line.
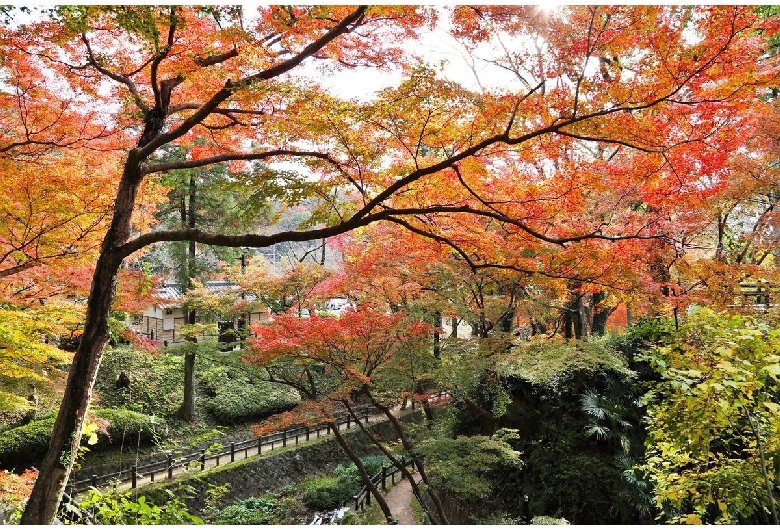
point(579, 173)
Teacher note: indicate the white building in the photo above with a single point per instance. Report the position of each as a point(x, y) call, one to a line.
point(163, 322)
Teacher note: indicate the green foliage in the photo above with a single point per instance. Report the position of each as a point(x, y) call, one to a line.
point(270, 508)
point(233, 395)
point(116, 508)
point(713, 420)
point(468, 466)
point(214, 496)
point(553, 364)
point(123, 423)
point(28, 443)
point(326, 493)
point(28, 365)
point(607, 418)
point(576, 407)
point(229, 391)
point(334, 491)
point(155, 381)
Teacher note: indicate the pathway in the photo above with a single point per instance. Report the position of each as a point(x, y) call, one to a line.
point(267, 448)
point(399, 499)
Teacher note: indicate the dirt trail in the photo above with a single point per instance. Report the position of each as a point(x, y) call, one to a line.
point(399, 499)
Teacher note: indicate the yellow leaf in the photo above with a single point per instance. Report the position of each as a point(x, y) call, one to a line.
point(692, 518)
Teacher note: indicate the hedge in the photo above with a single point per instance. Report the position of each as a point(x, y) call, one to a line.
point(22, 446)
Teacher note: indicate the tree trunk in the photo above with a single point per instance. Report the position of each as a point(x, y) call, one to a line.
point(362, 471)
point(410, 450)
point(65, 440)
point(437, 324)
point(568, 324)
point(187, 409)
point(756, 428)
point(600, 314)
point(394, 460)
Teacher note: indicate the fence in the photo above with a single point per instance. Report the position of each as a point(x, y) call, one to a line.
point(165, 467)
point(362, 498)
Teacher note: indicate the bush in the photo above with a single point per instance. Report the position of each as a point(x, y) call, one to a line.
point(254, 510)
point(326, 493)
point(124, 424)
point(25, 445)
point(232, 396)
point(329, 493)
point(114, 508)
point(155, 381)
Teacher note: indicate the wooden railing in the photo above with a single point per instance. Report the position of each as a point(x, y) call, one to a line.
point(195, 460)
point(362, 498)
point(165, 466)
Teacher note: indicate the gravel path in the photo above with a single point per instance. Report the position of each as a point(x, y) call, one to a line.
point(399, 499)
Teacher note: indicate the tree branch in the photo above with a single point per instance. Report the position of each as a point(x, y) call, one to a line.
point(231, 87)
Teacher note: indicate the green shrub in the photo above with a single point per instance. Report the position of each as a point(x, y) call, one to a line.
point(116, 508)
point(155, 381)
point(26, 444)
point(233, 396)
point(254, 510)
point(335, 491)
point(125, 424)
point(350, 476)
point(471, 469)
point(326, 493)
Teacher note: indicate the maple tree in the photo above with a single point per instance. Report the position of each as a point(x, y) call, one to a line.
point(330, 359)
point(634, 103)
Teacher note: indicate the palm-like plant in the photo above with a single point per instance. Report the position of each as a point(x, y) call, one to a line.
point(607, 419)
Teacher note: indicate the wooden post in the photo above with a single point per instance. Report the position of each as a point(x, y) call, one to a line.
point(170, 464)
point(232, 451)
point(133, 476)
point(260, 445)
point(307, 433)
point(284, 438)
point(384, 476)
point(203, 460)
point(94, 481)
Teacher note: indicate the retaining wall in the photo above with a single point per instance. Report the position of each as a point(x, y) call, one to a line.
point(258, 474)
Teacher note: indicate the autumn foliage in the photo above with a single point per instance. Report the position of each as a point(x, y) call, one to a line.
point(574, 176)
point(327, 358)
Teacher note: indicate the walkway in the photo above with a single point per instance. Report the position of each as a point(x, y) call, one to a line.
point(215, 461)
point(399, 500)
